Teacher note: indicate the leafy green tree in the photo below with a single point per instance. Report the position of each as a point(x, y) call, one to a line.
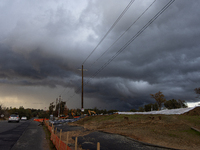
point(160, 98)
point(62, 107)
point(173, 104)
point(96, 110)
point(43, 114)
point(133, 110)
point(1, 109)
point(183, 103)
point(150, 107)
point(51, 107)
point(155, 106)
point(104, 111)
point(141, 109)
point(78, 112)
point(112, 111)
point(13, 110)
point(34, 112)
point(21, 111)
point(197, 91)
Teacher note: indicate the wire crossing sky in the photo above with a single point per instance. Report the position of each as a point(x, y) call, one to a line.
point(100, 69)
point(43, 42)
point(122, 34)
point(118, 19)
point(130, 41)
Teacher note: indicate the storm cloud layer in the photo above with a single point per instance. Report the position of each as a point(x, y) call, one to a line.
point(43, 44)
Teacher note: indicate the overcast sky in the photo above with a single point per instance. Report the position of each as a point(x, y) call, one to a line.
point(43, 44)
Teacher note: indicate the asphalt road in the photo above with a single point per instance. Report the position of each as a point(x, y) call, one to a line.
point(25, 135)
point(10, 133)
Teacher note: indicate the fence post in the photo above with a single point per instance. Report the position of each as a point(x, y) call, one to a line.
point(56, 131)
point(67, 140)
point(98, 146)
point(52, 129)
point(60, 138)
point(76, 143)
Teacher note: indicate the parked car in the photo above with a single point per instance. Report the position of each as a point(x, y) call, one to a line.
point(23, 118)
point(13, 118)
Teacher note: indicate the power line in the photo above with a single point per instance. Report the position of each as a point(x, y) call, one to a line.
point(123, 33)
point(128, 43)
point(131, 40)
point(121, 15)
point(118, 19)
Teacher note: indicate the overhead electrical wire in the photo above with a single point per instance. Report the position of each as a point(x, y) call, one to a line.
point(123, 33)
point(127, 44)
point(120, 36)
point(118, 19)
point(121, 15)
point(131, 40)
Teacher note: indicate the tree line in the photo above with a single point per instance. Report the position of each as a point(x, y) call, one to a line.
point(60, 109)
point(63, 110)
point(160, 101)
point(21, 111)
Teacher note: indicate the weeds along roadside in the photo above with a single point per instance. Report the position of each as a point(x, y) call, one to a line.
point(48, 137)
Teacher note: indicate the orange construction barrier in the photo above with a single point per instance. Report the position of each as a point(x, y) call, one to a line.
point(56, 140)
point(63, 146)
point(76, 116)
point(40, 120)
point(57, 143)
point(53, 138)
point(50, 128)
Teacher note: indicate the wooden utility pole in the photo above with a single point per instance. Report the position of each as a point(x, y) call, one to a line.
point(59, 101)
point(82, 108)
point(82, 92)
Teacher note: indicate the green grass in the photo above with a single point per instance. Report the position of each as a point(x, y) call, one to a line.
point(193, 120)
point(191, 132)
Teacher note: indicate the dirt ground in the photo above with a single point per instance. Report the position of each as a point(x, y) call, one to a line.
point(165, 130)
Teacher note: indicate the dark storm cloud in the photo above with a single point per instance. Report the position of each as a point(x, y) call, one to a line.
point(45, 46)
point(165, 56)
point(34, 68)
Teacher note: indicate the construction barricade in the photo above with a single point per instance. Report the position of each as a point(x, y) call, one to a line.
point(40, 120)
point(59, 144)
